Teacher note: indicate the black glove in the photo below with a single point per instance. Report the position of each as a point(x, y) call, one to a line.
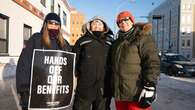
point(147, 96)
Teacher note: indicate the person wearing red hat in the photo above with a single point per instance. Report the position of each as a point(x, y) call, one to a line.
point(135, 64)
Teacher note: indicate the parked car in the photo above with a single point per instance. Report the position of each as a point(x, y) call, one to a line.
point(177, 65)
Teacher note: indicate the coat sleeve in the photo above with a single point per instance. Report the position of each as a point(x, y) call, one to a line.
point(77, 49)
point(67, 46)
point(149, 60)
point(23, 69)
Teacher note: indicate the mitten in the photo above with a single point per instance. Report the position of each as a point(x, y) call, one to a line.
point(147, 96)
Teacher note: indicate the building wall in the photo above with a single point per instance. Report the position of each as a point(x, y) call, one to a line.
point(186, 25)
point(31, 13)
point(175, 28)
point(77, 20)
point(193, 31)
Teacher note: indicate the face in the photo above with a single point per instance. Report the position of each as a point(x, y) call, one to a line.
point(52, 24)
point(97, 25)
point(125, 24)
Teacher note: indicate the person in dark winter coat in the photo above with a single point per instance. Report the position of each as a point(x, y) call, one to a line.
point(135, 64)
point(92, 55)
point(50, 37)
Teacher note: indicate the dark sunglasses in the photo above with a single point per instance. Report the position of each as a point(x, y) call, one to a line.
point(53, 22)
point(125, 19)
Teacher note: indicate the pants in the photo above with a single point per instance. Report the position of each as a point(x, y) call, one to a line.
point(125, 105)
point(108, 102)
point(24, 100)
point(83, 104)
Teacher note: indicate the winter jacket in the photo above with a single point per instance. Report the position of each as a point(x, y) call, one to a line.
point(23, 71)
point(91, 62)
point(135, 62)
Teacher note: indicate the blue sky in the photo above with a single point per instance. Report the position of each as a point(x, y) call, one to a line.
point(108, 9)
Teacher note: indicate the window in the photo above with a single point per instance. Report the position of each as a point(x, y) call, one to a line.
point(189, 6)
point(27, 31)
point(188, 43)
point(64, 18)
point(43, 3)
point(188, 55)
point(3, 34)
point(59, 10)
point(183, 6)
point(183, 19)
point(183, 43)
point(183, 29)
point(188, 30)
point(189, 19)
point(52, 6)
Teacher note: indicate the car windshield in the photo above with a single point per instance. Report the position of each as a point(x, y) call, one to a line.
point(177, 58)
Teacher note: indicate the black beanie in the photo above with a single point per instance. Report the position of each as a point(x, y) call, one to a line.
point(52, 16)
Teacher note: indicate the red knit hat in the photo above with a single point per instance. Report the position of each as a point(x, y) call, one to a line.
point(124, 14)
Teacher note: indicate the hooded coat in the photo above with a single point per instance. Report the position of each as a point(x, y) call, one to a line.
point(92, 54)
point(23, 70)
point(135, 62)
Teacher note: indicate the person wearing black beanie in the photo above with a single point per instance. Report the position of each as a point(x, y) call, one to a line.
point(53, 16)
point(49, 38)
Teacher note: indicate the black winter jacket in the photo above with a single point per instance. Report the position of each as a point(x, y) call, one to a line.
point(91, 64)
point(23, 71)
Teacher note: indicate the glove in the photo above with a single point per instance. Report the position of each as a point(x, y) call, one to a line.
point(147, 96)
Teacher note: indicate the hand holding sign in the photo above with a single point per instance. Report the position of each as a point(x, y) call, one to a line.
point(52, 79)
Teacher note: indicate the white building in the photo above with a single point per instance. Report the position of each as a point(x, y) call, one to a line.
point(19, 19)
point(174, 25)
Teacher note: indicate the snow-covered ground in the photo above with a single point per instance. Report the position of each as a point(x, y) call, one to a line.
point(174, 93)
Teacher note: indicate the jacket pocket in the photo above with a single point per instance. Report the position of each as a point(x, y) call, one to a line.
point(128, 88)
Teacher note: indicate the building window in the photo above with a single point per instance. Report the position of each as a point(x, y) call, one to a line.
point(183, 19)
point(188, 55)
point(189, 19)
point(188, 30)
point(27, 31)
point(182, 29)
point(189, 6)
point(3, 34)
point(43, 2)
point(52, 6)
point(59, 10)
point(183, 43)
point(64, 18)
point(183, 6)
point(188, 43)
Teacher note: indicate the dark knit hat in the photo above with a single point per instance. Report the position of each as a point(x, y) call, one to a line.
point(52, 16)
point(123, 15)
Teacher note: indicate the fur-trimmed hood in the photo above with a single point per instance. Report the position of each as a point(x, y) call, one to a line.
point(138, 31)
point(143, 28)
point(86, 26)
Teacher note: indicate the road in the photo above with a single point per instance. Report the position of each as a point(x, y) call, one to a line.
point(174, 93)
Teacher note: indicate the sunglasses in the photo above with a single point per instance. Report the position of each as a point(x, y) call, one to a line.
point(53, 22)
point(125, 20)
